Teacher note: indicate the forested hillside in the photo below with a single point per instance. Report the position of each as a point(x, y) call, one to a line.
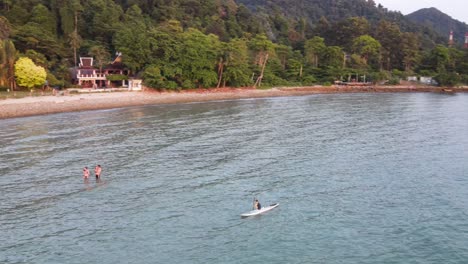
point(441, 23)
point(182, 44)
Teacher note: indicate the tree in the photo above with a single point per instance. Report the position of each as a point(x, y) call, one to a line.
point(344, 32)
point(262, 47)
point(199, 59)
point(42, 16)
point(447, 79)
point(246, 20)
point(440, 58)
point(282, 53)
point(101, 55)
point(135, 40)
point(103, 19)
point(333, 56)
point(18, 15)
point(38, 58)
point(295, 66)
point(7, 62)
point(357, 62)
point(75, 40)
point(390, 37)
point(367, 47)
point(237, 72)
point(153, 78)
point(29, 74)
point(410, 49)
point(5, 28)
point(313, 49)
point(69, 13)
point(39, 33)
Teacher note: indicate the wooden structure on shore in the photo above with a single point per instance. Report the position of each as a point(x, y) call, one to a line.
point(353, 83)
point(88, 76)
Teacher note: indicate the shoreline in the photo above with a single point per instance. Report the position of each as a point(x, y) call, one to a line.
point(42, 105)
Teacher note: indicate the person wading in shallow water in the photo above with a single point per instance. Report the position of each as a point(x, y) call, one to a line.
point(85, 173)
point(97, 171)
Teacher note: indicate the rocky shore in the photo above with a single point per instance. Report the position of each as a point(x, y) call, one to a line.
point(29, 106)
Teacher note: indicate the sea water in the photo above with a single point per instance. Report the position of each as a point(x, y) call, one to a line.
point(360, 178)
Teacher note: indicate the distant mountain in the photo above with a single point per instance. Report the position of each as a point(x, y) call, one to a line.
point(440, 22)
point(336, 10)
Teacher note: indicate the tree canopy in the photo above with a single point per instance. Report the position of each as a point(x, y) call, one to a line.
point(182, 44)
point(28, 74)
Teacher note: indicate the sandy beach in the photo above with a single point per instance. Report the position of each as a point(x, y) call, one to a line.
point(40, 105)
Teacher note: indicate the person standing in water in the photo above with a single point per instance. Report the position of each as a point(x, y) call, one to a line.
point(97, 171)
point(85, 173)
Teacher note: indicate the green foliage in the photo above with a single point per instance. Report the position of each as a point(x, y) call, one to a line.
point(357, 62)
point(309, 80)
point(38, 58)
point(313, 49)
point(394, 81)
point(67, 12)
point(379, 76)
point(367, 47)
point(399, 74)
point(153, 78)
point(410, 50)
point(5, 28)
point(134, 40)
point(53, 81)
point(100, 54)
point(18, 15)
point(199, 56)
point(116, 77)
point(205, 43)
point(447, 79)
point(188, 84)
point(333, 56)
point(440, 58)
point(236, 61)
point(103, 19)
point(28, 74)
point(344, 32)
point(33, 36)
point(389, 36)
point(42, 16)
point(464, 78)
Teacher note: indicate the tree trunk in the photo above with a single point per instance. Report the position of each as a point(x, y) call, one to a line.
point(259, 79)
point(75, 37)
point(220, 72)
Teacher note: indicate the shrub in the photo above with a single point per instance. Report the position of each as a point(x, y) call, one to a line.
point(116, 77)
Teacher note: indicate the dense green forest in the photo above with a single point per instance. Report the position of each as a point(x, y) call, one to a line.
point(183, 44)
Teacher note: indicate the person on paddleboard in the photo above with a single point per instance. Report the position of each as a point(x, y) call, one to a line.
point(257, 205)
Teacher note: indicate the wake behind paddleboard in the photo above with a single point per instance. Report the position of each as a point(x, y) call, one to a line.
point(257, 212)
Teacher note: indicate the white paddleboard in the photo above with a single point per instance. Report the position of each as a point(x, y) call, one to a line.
point(257, 212)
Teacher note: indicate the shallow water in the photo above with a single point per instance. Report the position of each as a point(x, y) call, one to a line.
point(360, 178)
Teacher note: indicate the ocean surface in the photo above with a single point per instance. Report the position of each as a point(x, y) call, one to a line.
point(360, 178)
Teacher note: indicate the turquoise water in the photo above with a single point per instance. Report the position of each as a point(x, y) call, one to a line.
point(360, 178)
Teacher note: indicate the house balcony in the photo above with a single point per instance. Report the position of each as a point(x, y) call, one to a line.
point(90, 77)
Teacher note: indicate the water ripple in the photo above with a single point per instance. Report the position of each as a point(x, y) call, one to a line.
point(360, 178)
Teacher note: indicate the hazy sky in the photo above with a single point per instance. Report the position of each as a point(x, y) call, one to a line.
point(457, 9)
